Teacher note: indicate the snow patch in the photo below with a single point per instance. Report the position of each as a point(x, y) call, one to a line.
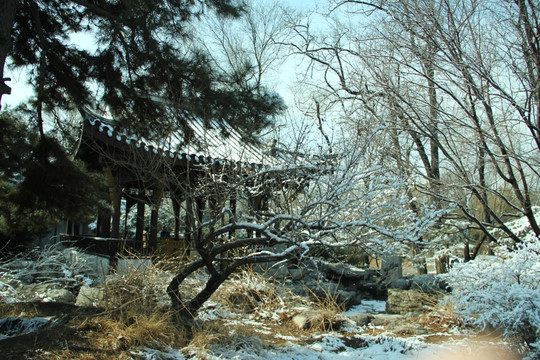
point(13, 326)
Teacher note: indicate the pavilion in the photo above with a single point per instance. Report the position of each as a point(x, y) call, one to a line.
point(141, 173)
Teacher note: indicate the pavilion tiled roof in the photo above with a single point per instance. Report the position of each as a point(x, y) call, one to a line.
point(216, 143)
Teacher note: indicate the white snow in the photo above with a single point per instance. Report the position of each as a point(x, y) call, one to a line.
point(12, 326)
point(368, 306)
point(330, 347)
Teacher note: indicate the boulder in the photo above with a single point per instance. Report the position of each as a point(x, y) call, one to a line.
point(60, 296)
point(410, 329)
point(295, 274)
point(35, 292)
point(407, 301)
point(428, 283)
point(13, 326)
point(362, 319)
point(344, 272)
point(387, 320)
point(391, 269)
point(329, 291)
point(401, 284)
point(90, 296)
point(318, 319)
point(97, 267)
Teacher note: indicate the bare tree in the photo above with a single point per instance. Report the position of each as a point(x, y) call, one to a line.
point(325, 200)
point(457, 98)
point(253, 46)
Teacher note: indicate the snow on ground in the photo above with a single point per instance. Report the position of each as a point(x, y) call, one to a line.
point(354, 343)
point(12, 326)
point(368, 306)
point(329, 347)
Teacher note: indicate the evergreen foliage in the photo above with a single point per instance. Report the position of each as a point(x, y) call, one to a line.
point(142, 67)
point(39, 183)
point(142, 53)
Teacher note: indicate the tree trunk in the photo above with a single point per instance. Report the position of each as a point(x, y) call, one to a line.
point(466, 253)
point(442, 264)
point(8, 9)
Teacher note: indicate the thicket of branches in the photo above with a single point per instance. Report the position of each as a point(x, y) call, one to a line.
point(282, 212)
point(454, 85)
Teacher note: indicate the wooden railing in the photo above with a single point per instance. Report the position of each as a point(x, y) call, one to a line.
point(113, 247)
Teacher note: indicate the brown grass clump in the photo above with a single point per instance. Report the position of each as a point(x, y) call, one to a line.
point(210, 335)
point(156, 330)
point(206, 335)
point(249, 291)
point(135, 313)
point(441, 318)
point(140, 291)
point(27, 310)
point(329, 309)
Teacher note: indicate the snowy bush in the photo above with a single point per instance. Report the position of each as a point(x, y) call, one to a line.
point(50, 265)
point(502, 291)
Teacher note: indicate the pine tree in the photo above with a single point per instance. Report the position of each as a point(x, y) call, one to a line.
point(140, 56)
point(143, 68)
point(39, 183)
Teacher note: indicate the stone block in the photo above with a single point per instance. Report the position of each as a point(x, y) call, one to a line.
point(90, 296)
point(407, 301)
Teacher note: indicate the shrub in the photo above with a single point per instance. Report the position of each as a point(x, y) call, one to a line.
point(502, 291)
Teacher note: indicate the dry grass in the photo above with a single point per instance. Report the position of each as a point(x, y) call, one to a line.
point(26, 310)
point(140, 291)
point(329, 309)
point(135, 314)
point(220, 334)
point(441, 318)
point(249, 291)
point(156, 330)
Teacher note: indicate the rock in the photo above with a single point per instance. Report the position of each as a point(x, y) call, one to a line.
point(344, 272)
point(331, 293)
point(45, 292)
point(387, 319)
point(410, 329)
point(325, 290)
point(278, 273)
point(61, 296)
point(319, 319)
point(357, 299)
point(407, 301)
point(428, 283)
point(13, 326)
point(9, 282)
point(295, 274)
point(347, 298)
point(97, 267)
point(362, 319)
point(26, 279)
point(401, 284)
point(90, 296)
point(33, 293)
point(391, 269)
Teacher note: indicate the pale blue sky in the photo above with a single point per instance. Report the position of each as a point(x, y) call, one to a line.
point(22, 91)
